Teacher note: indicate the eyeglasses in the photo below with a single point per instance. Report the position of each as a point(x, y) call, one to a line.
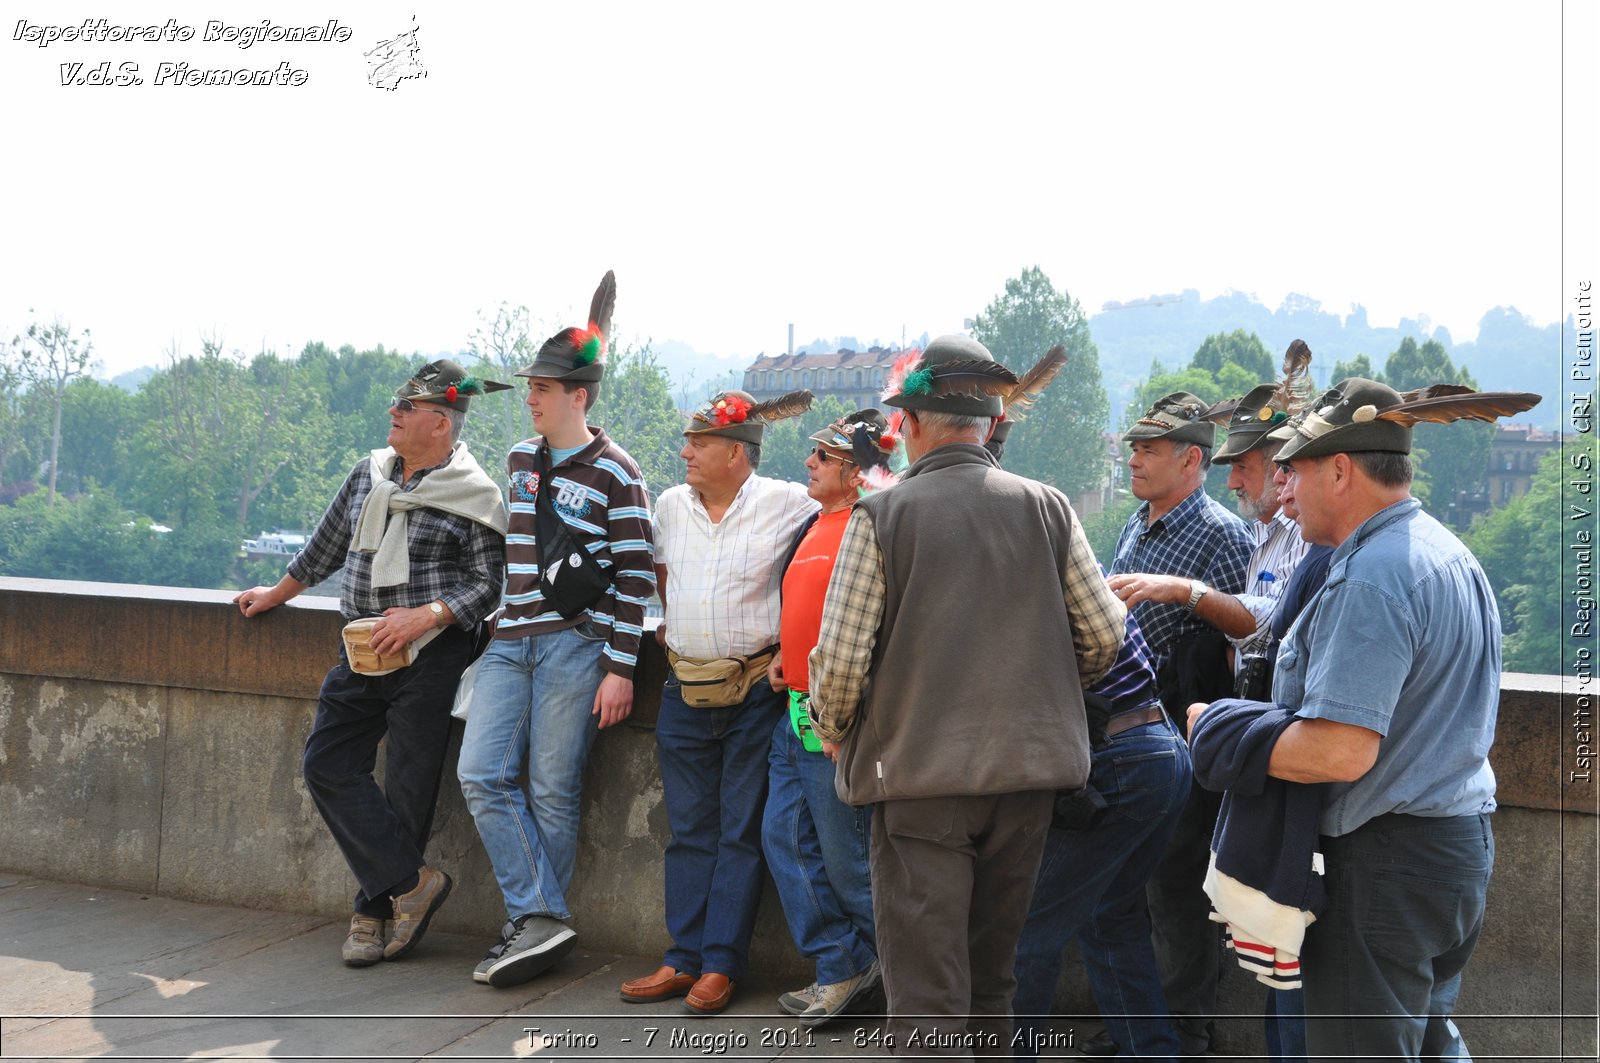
point(406, 406)
point(824, 457)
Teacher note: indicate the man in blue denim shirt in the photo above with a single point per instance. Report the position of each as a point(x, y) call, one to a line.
point(1394, 670)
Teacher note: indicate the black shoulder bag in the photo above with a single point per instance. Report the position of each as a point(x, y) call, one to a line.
point(570, 579)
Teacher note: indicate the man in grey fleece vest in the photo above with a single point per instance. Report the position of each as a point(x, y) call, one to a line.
point(961, 747)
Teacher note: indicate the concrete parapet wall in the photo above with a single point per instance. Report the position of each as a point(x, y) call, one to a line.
point(150, 740)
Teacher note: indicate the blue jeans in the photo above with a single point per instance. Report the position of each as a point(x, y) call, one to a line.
point(714, 781)
point(382, 832)
point(532, 714)
point(816, 848)
point(1382, 966)
point(1091, 886)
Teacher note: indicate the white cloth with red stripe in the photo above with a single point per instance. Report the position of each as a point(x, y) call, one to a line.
point(1265, 936)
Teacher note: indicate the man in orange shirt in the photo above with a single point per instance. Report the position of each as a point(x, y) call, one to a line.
point(815, 844)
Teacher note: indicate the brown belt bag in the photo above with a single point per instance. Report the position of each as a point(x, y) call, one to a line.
point(720, 682)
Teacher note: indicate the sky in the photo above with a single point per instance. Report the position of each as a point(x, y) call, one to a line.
point(867, 169)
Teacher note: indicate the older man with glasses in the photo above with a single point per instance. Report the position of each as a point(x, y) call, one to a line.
point(419, 529)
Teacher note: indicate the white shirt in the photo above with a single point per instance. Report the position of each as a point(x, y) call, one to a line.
point(1279, 550)
point(723, 578)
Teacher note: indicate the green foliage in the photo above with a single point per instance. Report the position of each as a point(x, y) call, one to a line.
point(1360, 366)
point(1238, 348)
point(53, 356)
point(1061, 441)
point(1104, 528)
point(97, 420)
point(637, 412)
point(1516, 546)
point(1452, 460)
point(89, 538)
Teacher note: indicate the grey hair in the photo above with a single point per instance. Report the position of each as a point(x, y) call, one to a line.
point(951, 423)
point(1383, 467)
point(752, 453)
point(457, 419)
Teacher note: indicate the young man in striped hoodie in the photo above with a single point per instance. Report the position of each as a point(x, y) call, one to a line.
point(549, 682)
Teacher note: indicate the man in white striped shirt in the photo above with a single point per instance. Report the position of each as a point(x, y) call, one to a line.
point(720, 540)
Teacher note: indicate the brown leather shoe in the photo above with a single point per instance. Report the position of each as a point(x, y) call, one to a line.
point(413, 910)
point(710, 995)
point(665, 984)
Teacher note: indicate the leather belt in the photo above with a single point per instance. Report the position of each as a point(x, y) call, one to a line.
point(1127, 721)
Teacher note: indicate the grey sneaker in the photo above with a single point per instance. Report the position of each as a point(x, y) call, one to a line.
point(364, 946)
point(413, 910)
point(835, 998)
point(529, 946)
point(800, 1001)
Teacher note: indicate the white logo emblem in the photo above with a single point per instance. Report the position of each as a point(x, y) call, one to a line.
point(574, 560)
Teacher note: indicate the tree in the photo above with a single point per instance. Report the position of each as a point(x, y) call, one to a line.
point(1239, 348)
point(1062, 442)
point(499, 346)
point(218, 430)
point(1516, 546)
point(1452, 460)
point(1360, 366)
point(97, 420)
point(15, 449)
point(52, 357)
point(636, 409)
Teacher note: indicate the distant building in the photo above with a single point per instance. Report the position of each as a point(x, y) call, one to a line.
point(1514, 457)
point(857, 377)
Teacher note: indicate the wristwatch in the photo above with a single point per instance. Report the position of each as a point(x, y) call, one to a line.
point(438, 613)
point(1197, 590)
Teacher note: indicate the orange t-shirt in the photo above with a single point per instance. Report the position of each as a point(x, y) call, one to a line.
point(805, 584)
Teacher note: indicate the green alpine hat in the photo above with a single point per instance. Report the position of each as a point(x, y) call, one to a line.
point(1345, 419)
point(955, 374)
point(579, 354)
point(445, 383)
point(1179, 416)
point(737, 415)
point(1252, 422)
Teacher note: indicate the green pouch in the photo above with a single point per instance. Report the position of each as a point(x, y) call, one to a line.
point(800, 720)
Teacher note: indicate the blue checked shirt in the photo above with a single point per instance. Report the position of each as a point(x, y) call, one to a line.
point(458, 561)
point(1197, 539)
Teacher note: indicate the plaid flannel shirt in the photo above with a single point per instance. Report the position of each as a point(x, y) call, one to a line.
point(454, 560)
point(1196, 539)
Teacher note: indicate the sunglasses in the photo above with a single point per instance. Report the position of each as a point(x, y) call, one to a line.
point(406, 406)
point(824, 457)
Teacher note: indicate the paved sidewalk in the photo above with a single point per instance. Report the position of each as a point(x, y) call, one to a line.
point(90, 973)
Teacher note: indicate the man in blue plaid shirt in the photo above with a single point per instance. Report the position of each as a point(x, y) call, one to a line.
point(420, 530)
point(1179, 530)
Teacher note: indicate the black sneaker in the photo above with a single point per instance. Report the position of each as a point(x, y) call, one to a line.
point(528, 947)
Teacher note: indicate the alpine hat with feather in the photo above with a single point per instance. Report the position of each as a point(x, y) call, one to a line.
point(737, 415)
point(445, 383)
point(953, 374)
point(1252, 419)
point(1359, 414)
point(579, 354)
point(861, 438)
point(1179, 416)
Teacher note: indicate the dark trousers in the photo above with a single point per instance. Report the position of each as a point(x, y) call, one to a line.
point(951, 881)
point(714, 784)
point(383, 831)
point(1189, 947)
point(1091, 886)
point(1382, 966)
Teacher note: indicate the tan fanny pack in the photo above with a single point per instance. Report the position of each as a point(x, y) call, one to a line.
point(364, 659)
point(720, 682)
